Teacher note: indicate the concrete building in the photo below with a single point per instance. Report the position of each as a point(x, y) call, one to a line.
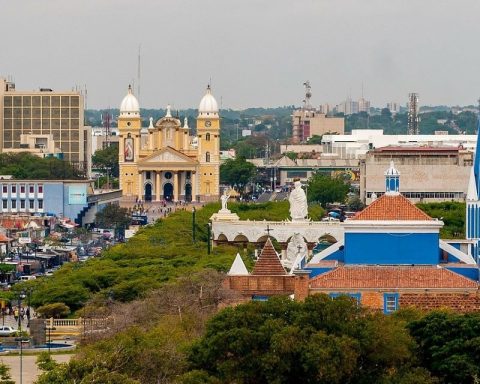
point(44, 122)
point(429, 174)
point(360, 141)
point(164, 162)
point(309, 122)
point(73, 199)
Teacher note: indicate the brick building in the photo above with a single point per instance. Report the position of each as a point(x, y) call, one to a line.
point(391, 257)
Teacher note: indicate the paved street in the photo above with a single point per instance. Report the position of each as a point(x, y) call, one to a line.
point(30, 371)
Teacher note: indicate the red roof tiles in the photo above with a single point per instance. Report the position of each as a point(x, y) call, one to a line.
point(268, 263)
point(391, 277)
point(392, 207)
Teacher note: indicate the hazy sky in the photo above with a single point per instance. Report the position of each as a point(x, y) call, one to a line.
point(257, 52)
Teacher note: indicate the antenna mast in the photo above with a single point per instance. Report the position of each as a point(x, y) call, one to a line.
point(138, 70)
point(413, 118)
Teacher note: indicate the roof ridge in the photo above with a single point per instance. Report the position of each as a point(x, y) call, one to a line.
point(268, 262)
point(392, 207)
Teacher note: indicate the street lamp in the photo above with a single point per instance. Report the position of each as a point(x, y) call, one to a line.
point(49, 329)
point(209, 235)
point(193, 223)
point(20, 297)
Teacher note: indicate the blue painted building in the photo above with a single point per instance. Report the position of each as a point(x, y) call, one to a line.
point(472, 222)
point(73, 199)
point(392, 254)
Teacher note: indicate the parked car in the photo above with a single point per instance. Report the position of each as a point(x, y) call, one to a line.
point(7, 331)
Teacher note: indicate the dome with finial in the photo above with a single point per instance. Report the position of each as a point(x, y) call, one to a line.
point(392, 180)
point(208, 105)
point(129, 106)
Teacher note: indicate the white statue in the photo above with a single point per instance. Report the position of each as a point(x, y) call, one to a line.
point(224, 199)
point(298, 203)
point(296, 251)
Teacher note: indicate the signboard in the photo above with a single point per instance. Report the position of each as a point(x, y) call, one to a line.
point(129, 233)
point(77, 194)
point(24, 240)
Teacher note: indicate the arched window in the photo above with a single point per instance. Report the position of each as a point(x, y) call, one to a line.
point(207, 137)
point(207, 157)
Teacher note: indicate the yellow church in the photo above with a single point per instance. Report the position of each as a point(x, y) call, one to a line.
point(165, 161)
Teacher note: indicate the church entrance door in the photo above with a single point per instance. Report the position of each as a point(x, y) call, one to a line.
point(168, 191)
point(148, 192)
point(188, 192)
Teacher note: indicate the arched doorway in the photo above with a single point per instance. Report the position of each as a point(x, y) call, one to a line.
point(168, 191)
point(188, 192)
point(148, 192)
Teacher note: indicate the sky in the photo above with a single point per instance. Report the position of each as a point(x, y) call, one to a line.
point(255, 53)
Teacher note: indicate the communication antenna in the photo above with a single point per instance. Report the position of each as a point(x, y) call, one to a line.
point(106, 118)
point(138, 70)
point(308, 95)
point(413, 118)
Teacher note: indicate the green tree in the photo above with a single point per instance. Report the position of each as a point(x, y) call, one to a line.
point(322, 340)
point(106, 160)
point(113, 216)
point(55, 310)
point(324, 189)
point(315, 139)
point(5, 377)
point(238, 171)
point(449, 345)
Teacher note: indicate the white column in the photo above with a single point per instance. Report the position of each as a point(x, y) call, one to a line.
point(157, 185)
point(193, 181)
point(175, 186)
point(140, 185)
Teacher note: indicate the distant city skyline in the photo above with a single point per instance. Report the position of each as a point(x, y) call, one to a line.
point(256, 53)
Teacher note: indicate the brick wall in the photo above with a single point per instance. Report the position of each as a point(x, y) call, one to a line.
point(372, 300)
point(460, 302)
point(261, 285)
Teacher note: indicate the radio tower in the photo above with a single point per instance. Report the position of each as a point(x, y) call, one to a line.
point(106, 125)
point(413, 119)
point(308, 95)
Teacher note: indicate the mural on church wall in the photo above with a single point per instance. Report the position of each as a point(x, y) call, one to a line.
point(129, 151)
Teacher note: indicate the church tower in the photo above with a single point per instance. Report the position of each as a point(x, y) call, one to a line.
point(208, 132)
point(472, 222)
point(129, 127)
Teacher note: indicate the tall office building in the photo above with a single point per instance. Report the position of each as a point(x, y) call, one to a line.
point(43, 122)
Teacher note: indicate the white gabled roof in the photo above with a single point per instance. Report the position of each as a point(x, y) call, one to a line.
point(472, 193)
point(238, 267)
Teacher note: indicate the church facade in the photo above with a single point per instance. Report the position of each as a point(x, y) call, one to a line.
point(165, 161)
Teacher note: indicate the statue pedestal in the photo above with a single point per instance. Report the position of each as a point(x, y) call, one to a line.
point(224, 215)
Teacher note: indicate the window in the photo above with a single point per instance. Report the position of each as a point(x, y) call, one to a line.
point(40, 204)
point(31, 204)
point(207, 157)
point(4, 189)
point(207, 137)
point(14, 188)
point(4, 204)
point(148, 175)
point(390, 302)
point(14, 204)
point(22, 204)
point(40, 188)
point(31, 189)
point(22, 188)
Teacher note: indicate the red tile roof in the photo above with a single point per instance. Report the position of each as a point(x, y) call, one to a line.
point(392, 207)
point(391, 277)
point(4, 239)
point(268, 263)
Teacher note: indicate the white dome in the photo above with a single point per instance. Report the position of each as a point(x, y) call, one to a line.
point(392, 171)
point(208, 105)
point(129, 106)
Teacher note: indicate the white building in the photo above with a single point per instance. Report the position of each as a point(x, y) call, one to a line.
point(360, 141)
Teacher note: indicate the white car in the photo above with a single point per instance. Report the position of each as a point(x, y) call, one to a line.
point(7, 331)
